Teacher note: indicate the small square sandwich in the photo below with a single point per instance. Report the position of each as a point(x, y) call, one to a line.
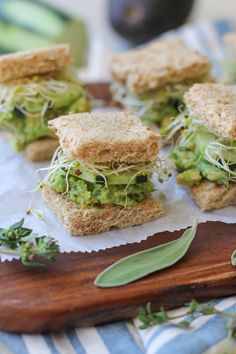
point(205, 155)
point(151, 80)
point(230, 62)
point(100, 177)
point(35, 86)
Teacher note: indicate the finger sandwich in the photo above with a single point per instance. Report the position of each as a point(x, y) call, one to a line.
point(101, 175)
point(205, 155)
point(36, 86)
point(151, 80)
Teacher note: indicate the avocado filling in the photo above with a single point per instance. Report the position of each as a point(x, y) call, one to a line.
point(26, 105)
point(92, 185)
point(156, 106)
point(201, 154)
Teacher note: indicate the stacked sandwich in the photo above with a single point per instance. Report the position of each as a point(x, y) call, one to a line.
point(230, 63)
point(34, 88)
point(205, 155)
point(151, 80)
point(101, 175)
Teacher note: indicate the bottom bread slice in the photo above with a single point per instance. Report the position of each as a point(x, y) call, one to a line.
point(40, 150)
point(209, 195)
point(87, 221)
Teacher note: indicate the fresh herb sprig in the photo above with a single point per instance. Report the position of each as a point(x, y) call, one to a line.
point(149, 318)
point(22, 242)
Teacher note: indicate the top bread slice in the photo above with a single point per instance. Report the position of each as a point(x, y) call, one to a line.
point(37, 61)
point(230, 42)
point(215, 104)
point(159, 63)
point(106, 137)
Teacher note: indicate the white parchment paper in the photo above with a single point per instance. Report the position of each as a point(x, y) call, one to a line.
point(18, 176)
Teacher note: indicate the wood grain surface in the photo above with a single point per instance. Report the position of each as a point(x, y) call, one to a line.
point(63, 294)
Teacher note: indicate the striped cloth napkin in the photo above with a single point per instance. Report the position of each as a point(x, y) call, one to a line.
point(207, 333)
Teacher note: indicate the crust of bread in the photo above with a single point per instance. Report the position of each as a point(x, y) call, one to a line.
point(105, 137)
point(230, 43)
point(216, 105)
point(157, 64)
point(37, 61)
point(40, 150)
point(209, 195)
point(83, 221)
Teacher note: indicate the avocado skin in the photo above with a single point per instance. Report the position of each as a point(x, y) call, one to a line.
point(141, 20)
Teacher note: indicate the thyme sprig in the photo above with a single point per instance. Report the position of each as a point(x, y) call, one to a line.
point(149, 318)
point(20, 241)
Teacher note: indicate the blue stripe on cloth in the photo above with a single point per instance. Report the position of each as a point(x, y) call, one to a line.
point(14, 342)
point(223, 27)
point(118, 339)
point(75, 342)
point(50, 344)
point(163, 328)
point(200, 340)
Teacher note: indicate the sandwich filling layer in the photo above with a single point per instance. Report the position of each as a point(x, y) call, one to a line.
point(91, 185)
point(201, 154)
point(158, 105)
point(27, 104)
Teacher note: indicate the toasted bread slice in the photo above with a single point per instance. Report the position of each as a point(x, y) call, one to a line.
point(105, 137)
point(230, 42)
point(210, 195)
point(40, 150)
point(159, 63)
point(216, 105)
point(37, 61)
point(83, 221)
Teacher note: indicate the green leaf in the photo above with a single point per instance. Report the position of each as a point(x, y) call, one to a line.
point(207, 310)
point(183, 324)
point(233, 258)
point(193, 306)
point(17, 225)
point(140, 264)
point(21, 241)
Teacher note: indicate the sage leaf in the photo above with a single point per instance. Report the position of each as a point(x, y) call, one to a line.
point(233, 258)
point(140, 264)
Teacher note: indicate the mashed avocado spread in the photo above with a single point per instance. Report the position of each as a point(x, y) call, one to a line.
point(91, 194)
point(202, 154)
point(26, 105)
point(99, 184)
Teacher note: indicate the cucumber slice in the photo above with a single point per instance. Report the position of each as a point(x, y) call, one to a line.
point(124, 178)
point(35, 16)
point(16, 38)
point(202, 140)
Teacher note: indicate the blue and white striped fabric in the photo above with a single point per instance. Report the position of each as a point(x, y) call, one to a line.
point(208, 333)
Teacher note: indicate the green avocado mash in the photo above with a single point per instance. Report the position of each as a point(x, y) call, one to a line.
point(26, 105)
point(158, 105)
point(94, 194)
point(202, 154)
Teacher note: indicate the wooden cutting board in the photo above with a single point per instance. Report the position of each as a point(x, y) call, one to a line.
point(63, 295)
